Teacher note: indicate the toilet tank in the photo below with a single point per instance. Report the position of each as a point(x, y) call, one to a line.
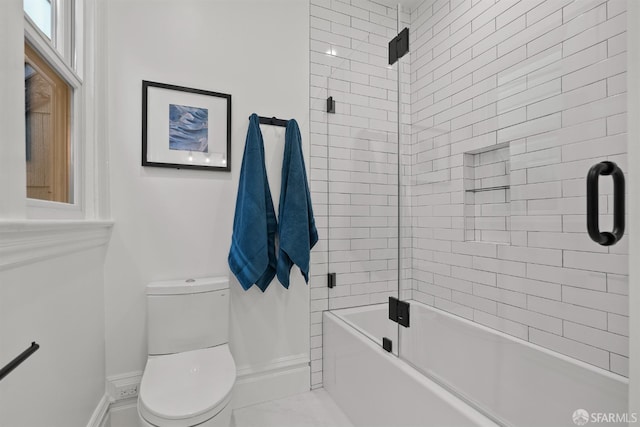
point(189, 314)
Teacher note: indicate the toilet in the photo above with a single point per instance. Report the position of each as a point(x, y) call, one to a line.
point(190, 372)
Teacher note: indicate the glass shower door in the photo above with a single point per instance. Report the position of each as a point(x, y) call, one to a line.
point(362, 177)
point(511, 111)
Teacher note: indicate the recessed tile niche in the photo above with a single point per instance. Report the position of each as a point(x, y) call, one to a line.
point(487, 195)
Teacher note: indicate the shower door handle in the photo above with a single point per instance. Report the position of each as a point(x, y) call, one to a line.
point(605, 238)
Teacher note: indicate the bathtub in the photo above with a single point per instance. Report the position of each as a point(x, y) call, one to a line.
point(454, 372)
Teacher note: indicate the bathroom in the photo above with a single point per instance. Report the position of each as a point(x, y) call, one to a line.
point(74, 276)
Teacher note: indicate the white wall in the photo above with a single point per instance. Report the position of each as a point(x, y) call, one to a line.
point(59, 303)
point(177, 223)
point(51, 283)
point(12, 197)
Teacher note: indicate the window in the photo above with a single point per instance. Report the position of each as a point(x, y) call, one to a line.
point(40, 13)
point(48, 130)
point(53, 87)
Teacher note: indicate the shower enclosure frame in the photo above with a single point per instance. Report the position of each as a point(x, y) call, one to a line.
point(633, 200)
point(633, 141)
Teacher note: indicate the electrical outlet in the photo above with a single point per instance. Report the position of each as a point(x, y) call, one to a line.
point(124, 386)
point(126, 391)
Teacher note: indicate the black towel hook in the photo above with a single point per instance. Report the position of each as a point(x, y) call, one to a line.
point(273, 121)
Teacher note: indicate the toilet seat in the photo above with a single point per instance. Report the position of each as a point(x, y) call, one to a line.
point(188, 388)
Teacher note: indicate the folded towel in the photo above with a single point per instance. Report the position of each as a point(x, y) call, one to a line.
point(252, 257)
point(296, 229)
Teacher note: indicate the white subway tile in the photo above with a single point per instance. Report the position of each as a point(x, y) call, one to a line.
point(618, 324)
point(490, 14)
point(532, 255)
point(574, 313)
point(530, 318)
point(504, 325)
point(454, 308)
point(473, 301)
point(617, 84)
point(606, 107)
point(469, 41)
point(329, 15)
point(575, 349)
point(475, 276)
point(545, 9)
point(530, 287)
point(506, 296)
point(500, 266)
point(527, 97)
point(618, 284)
point(619, 364)
point(595, 34)
point(568, 99)
point(480, 74)
point(500, 64)
point(569, 29)
point(598, 338)
point(609, 263)
point(529, 128)
point(571, 241)
point(532, 31)
point(518, 9)
point(543, 190)
point(611, 303)
point(577, 8)
point(477, 9)
point(553, 67)
point(511, 30)
point(595, 70)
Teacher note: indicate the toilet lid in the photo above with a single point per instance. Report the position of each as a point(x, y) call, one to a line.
point(187, 388)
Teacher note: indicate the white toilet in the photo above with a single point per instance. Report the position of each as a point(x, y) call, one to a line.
point(190, 372)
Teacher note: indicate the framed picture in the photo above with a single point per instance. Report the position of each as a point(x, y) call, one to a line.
point(185, 128)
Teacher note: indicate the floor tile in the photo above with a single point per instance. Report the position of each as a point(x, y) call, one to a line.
point(310, 409)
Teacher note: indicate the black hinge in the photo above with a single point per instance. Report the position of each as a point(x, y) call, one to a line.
point(331, 280)
point(399, 46)
point(399, 311)
point(387, 344)
point(331, 105)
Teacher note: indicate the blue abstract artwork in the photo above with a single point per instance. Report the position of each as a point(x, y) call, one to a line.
point(188, 128)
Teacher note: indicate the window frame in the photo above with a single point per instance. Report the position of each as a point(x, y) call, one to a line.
point(64, 54)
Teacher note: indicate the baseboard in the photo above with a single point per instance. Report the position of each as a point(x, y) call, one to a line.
point(100, 416)
point(274, 380)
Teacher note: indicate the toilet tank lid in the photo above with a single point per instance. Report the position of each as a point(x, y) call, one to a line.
point(188, 286)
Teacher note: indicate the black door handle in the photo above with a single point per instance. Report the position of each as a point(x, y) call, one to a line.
point(605, 238)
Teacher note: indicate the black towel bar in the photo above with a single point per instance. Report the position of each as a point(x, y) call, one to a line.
point(273, 121)
point(18, 360)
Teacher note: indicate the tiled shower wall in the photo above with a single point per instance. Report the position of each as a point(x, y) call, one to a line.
point(547, 80)
point(353, 159)
point(528, 95)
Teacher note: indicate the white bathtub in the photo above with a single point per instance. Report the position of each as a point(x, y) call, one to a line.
point(496, 379)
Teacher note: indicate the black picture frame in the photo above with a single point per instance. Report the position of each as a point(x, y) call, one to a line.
point(159, 140)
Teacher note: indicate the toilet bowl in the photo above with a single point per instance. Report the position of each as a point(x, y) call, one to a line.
point(190, 373)
point(189, 388)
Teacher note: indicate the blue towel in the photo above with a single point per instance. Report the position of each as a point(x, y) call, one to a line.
point(297, 228)
point(252, 257)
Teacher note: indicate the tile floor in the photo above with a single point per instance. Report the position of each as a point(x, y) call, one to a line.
point(310, 409)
